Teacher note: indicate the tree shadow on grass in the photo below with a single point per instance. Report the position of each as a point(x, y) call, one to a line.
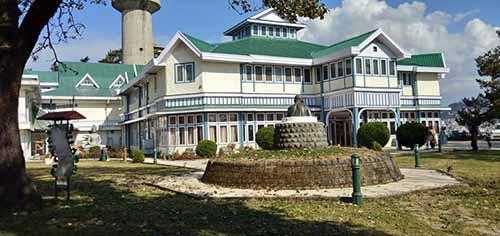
point(108, 207)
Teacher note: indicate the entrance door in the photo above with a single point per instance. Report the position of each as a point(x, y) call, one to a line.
point(341, 132)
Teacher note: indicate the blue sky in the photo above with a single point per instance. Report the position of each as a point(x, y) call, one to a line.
point(462, 29)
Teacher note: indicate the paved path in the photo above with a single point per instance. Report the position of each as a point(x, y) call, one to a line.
point(415, 179)
point(200, 164)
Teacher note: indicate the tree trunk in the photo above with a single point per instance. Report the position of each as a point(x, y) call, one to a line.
point(16, 188)
point(473, 140)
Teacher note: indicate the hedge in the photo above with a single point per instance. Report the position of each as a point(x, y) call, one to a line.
point(373, 132)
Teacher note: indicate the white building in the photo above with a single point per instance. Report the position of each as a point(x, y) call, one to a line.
point(227, 91)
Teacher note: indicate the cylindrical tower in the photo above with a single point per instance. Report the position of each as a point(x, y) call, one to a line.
point(137, 29)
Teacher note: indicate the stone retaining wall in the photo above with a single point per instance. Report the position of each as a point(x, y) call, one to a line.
point(299, 174)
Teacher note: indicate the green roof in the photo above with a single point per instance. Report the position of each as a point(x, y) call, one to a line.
point(352, 42)
point(102, 73)
point(428, 60)
point(276, 46)
point(260, 46)
point(43, 76)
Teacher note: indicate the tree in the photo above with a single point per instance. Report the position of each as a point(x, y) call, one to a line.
point(489, 66)
point(473, 115)
point(115, 56)
point(21, 24)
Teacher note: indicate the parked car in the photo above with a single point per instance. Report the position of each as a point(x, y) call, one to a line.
point(458, 136)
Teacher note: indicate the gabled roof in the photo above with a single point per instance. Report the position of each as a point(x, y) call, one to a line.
point(267, 16)
point(352, 42)
point(43, 76)
point(102, 73)
point(426, 60)
point(260, 46)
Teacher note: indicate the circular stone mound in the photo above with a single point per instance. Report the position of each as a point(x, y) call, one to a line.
point(299, 174)
point(300, 135)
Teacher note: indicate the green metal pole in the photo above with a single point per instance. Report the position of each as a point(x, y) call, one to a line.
point(357, 197)
point(417, 156)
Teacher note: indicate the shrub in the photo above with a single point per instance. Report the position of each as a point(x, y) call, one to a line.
point(373, 132)
point(137, 156)
point(94, 152)
point(410, 134)
point(376, 146)
point(206, 149)
point(265, 138)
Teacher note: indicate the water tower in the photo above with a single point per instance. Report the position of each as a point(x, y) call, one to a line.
point(137, 29)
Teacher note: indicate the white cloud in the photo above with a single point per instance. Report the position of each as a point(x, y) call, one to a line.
point(416, 30)
point(74, 50)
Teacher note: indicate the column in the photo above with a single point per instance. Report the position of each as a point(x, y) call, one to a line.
point(241, 127)
point(355, 126)
point(205, 126)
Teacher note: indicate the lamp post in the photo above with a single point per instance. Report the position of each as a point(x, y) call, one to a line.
point(357, 197)
point(417, 156)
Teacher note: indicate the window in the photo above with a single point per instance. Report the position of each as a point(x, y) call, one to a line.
point(180, 75)
point(233, 117)
point(285, 32)
point(271, 31)
point(340, 69)
point(199, 133)
point(375, 67)
point(234, 133)
point(248, 72)
point(332, 70)
point(318, 74)
point(213, 133)
point(368, 66)
point(258, 73)
point(375, 49)
point(190, 119)
point(325, 72)
point(223, 134)
point(260, 117)
point(279, 116)
point(278, 32)
point(359, 66)
point(298, 75)
point(269, 73)
point(223, 117)
point(406, 79)
point(307, 75)
point(288, 74)
point(250, 133)
point(348, 67)
point(263, 30)
point(269, 116)
point(172, 120)
point(184, 72)
point(383, 66)
point(292, 32)
point(278, 73)
point(173, 137)
point(255, 30)
point(249, 117)
point(392, 67)
point(212, 118)
point(190, 135)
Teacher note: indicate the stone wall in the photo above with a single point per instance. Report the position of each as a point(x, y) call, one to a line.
point(300, 135)
point(299, 174)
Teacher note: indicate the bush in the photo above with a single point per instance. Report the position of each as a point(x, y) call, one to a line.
point(93, 153)
point(373, 132)
point(206, 149)
point(137, 156)
point(376, 146)
point(265, 138)
point(410, 134)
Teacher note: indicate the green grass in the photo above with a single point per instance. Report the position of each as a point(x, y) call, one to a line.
point(299, 154)
point(112, 198)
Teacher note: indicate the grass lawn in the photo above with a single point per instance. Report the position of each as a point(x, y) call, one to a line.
point(112, 198)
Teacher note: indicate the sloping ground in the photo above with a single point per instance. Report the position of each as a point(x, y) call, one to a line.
point(113, 198)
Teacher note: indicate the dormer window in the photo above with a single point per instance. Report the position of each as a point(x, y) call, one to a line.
point(87, 82)
point(118, 82)
point(375, 49)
